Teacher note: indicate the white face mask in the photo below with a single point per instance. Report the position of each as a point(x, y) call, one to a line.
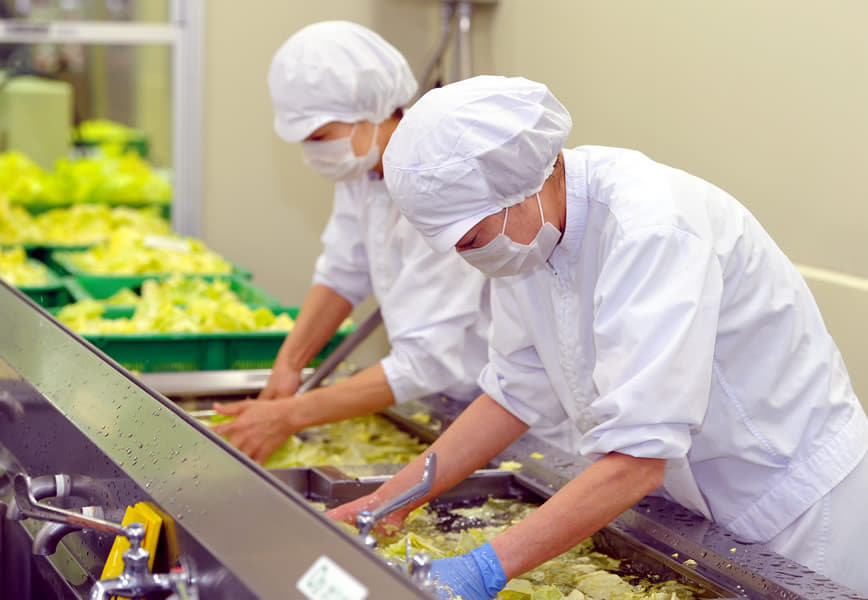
point(336, 160)
point(502, 256)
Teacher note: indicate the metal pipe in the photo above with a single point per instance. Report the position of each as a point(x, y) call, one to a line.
point(49, 535)
point(463, 51)
point(341, 352)
point(366, 519)
point(62, 486)
point(446, 12)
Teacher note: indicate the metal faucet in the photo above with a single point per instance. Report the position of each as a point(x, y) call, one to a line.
point(61, 486)
point(49, 535)
point(135, 581)
point(366, 519)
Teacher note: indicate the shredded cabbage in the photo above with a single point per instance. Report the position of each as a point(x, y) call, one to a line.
point(76, 225)
point(115, 178)
point(581, 573)
point(198, 315)
point(132, 252)
point(16, 270)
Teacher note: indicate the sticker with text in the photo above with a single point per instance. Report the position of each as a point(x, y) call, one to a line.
point(325, 580)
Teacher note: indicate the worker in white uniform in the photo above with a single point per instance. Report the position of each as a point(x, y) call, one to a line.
point(650, 309)
point(338, 88)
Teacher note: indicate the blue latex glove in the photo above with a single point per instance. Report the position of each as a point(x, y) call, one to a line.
point(476, 575)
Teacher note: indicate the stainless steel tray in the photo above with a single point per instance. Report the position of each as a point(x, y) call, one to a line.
point(641, 554)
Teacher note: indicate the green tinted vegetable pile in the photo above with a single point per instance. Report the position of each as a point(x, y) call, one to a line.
point(131, 252)
point(16, 270)
point(198, 315)
point(582, 573)
point(364, 440)
point(77, 225)
point(115, 178)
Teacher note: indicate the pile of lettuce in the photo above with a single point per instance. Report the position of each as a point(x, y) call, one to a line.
point(75, 226)
point(23, 181)
point(16, 270)
point(197, 315)
point(581, 573)
point(360, 441)
point(115, 178)
point(177, 290)
point(131, 252)
point(367, 440)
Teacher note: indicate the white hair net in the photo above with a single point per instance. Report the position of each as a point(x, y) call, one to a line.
point(467, 150)
point(336, 71)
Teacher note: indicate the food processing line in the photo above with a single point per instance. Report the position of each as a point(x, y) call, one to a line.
point(81, 439)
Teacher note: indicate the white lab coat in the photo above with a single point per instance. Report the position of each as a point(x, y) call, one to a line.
point(667, 324)
point(435, 307)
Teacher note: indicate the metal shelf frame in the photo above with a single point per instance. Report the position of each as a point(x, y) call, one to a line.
point(183, 34)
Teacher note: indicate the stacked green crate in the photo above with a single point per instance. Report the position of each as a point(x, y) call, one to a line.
point(33, 278)
point(149, 351)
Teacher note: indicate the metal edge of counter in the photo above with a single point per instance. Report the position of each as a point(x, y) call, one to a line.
point(183, 467)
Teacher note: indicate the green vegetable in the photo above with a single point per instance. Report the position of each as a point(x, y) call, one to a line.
point(160, 315)
point(581, 573)
point(364, 440)
point(16, 270)
point(131, 252)
point(77, 225)
point(115, 178)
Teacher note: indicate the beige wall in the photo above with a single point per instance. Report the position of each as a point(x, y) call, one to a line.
point(766, 99)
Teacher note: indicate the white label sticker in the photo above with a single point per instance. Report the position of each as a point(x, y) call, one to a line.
point(326, 580)
point(163, 242)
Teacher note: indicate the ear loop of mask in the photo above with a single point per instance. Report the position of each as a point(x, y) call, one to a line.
point(542, 218)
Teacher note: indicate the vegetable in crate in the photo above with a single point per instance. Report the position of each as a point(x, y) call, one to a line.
point(77, 225)
point(119, 179)
point(16, 270)
point(23, 181)
point(129, 252)
point(160, 315)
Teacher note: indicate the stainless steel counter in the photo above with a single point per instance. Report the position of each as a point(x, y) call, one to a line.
point(69, 409)
point(66, 408)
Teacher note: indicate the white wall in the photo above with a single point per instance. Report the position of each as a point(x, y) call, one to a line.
point(765, 99)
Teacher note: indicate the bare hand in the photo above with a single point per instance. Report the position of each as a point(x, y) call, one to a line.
point(259, 428)
point(281, 383)
point(388, 525)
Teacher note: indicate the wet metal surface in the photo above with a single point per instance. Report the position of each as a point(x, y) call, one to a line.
point(248, 535)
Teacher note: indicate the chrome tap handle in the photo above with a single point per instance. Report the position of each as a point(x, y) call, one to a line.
point(28, 506)
point(366, 519)
point(420, 568)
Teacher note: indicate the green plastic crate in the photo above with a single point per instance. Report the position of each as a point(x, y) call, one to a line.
point(155, 352)
point(247, 292)
point(52, 294)
point(111, 284)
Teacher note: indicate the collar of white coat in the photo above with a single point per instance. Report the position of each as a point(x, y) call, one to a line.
point(576, 184)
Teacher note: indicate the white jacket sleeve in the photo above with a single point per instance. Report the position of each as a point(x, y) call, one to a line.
point(343, 264)
point(657, 302)
point(436, 315)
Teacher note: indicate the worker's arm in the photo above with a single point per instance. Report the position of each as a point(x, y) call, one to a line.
point(594, 498)
point(320, 316)
point(482, 431)
point(259, 428)
point(585, 505)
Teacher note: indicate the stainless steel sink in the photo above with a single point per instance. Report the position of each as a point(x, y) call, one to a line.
point(642, 554)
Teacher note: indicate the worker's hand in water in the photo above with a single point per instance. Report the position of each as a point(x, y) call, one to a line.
point(388, 525)
point(476, 575)
point(259, 428)
point(283, 382)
